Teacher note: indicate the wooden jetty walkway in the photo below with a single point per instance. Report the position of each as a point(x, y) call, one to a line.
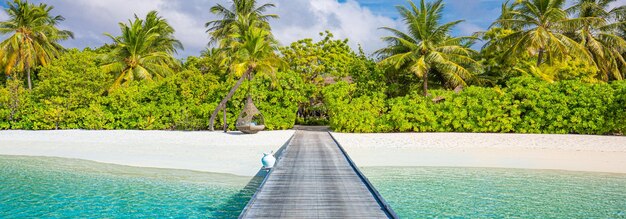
point(314, 178)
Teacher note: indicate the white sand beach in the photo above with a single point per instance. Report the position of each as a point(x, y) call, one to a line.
point(239, 154)
point(527, 151)
point(217, 152)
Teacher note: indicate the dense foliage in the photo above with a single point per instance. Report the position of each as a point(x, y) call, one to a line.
point(71, 95)
point(34, 38)
point(527, 105)
point(143, 51)
point(428, 48)
point(545, 68)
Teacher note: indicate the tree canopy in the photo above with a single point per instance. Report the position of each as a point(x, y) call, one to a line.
point(427, 47)
point(546, 67)
point(34, 40)
point(144, 51)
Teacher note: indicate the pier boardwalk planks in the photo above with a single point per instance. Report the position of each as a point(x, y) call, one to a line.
point(314, 178)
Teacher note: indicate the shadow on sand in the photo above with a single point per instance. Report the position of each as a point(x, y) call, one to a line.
point(234, 133)
point(236, 203)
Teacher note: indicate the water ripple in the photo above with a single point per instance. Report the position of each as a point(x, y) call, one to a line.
point(432, 192)
point(63, 188)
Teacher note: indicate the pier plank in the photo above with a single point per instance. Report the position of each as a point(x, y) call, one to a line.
point(314, 179)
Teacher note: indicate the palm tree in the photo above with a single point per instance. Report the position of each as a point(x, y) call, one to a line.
point(427, 46)
point(243, 18)
point(539, 26)
point(594, 27)
point(221, 28)
point(507, 10)
point(254, 52)
point(143, 51)
point(35, 39)
point(621, 31)
point(166, 40)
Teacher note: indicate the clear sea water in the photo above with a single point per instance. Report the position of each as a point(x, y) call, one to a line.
point(65, 188)
point(433, 192)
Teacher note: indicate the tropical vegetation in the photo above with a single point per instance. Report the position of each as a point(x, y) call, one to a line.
point(34, 38)
point(243, 32)
point(545, 67)
point(428, 48)
point(144, 51)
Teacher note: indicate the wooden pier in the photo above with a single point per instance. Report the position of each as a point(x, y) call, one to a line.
point(315, 178)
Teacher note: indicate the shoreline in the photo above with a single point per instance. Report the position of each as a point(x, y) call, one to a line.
point(238, 154)
point(587, 153)
point(214, 152)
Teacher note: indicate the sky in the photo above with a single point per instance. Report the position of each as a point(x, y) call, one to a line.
point(358, 20)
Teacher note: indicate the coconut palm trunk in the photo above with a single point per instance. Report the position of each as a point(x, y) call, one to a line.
point(426, 83)
point(225, 121)
point(30, 83)
point(28, 78)
point(227, 98)
point(540, 57)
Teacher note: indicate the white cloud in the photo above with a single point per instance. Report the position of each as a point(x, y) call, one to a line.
point(305, 19)
point(89, 19)
point(3, 15)
point(617, 3)
point(467, 28)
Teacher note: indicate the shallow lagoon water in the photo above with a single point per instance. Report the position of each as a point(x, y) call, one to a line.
point(434, 192)
point(54, 187)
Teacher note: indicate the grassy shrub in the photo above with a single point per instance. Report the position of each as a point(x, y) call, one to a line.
point(564, 107)
point(16, 106)
point(71, 93)
point(618, 108)
point(279, 101)
point(354, 114)
point(5, 109)
point(526, 106)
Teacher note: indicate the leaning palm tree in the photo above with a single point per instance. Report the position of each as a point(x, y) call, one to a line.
point(221, 28)
point(242, 17)
point(254, 53)
point(427, 47)
point(35, 39)
point(144, 51)
point(596, 27)
point(539, 26)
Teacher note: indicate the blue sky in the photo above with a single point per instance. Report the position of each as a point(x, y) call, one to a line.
point(478, 14)
point(357, 20)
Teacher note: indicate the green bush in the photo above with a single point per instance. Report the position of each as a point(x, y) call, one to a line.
point(527, 105)
point(71, 93)
point(353, 114)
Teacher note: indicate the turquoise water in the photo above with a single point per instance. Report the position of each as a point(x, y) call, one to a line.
point(53, 188)
point(431, 192)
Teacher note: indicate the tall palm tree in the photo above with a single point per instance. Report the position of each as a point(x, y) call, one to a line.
point(596, 27)
point(144, 51)
point(242, 18)
point(427, 47)
point(254, 53)
point(221, 28)
point(35, 39)
point(539, 26)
